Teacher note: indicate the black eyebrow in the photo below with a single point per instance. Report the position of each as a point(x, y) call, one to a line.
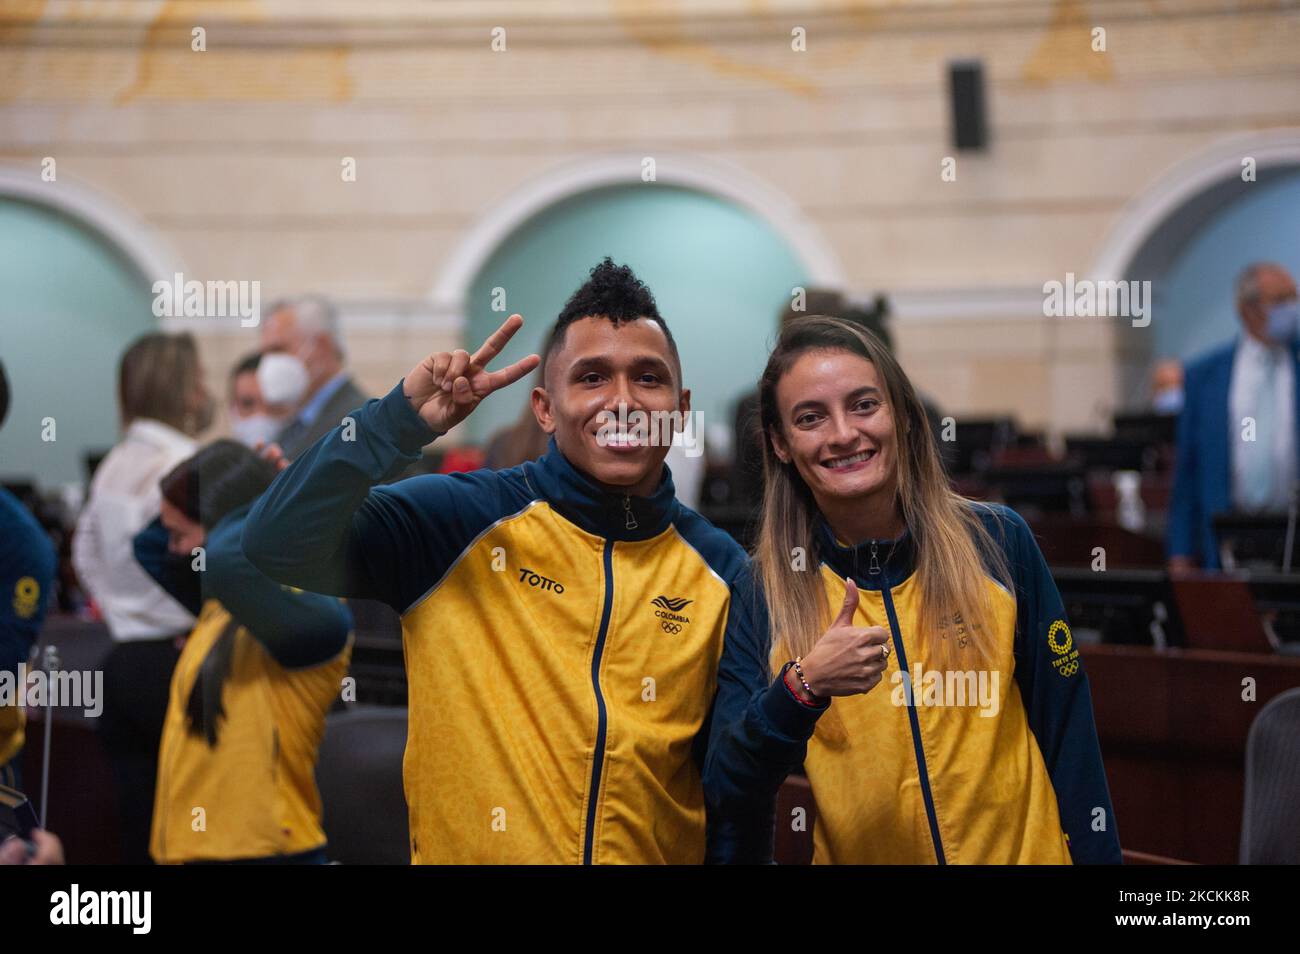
point(602, 362)
point(596, 362)
point(656, 362)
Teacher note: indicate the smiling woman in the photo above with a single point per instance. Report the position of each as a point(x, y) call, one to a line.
point(841, 436)
point(847, 432)
point(859, 514)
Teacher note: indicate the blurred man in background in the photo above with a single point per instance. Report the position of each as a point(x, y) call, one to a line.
point(303, 349)
point(1237, 438)
point(249, 421)
point(1167, 386)
point(253, 419)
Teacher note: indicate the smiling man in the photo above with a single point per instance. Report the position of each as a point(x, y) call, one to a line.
point(563, 620)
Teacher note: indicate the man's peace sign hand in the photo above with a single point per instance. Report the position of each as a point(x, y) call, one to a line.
point(447, 385)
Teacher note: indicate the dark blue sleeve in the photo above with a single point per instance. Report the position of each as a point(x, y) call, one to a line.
point(298, 629)
point(1182, 536)
point(758, 733)
point(174, 573)
point(1058, 703)
point(324, 526)
point(27, 566)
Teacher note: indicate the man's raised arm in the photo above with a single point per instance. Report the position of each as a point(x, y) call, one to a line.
point(324, 526)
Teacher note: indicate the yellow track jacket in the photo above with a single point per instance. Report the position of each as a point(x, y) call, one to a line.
point(253, 795)
point(561, 641)
point(27, 570)
point(971, 767)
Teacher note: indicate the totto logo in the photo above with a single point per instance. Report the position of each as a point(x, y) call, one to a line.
point(536, 579)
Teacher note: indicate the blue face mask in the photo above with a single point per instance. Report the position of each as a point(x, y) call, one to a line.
point(1168, 402)
point(1283, 322)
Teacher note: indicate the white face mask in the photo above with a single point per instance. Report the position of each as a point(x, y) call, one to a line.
point(254, 428)
point(282, 378)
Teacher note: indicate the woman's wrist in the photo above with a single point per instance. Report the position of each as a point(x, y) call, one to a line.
point(792, 684)
point(796, 680)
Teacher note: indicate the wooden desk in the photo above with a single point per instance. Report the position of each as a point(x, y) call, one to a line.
point(1069, 541)
point(1173, 729)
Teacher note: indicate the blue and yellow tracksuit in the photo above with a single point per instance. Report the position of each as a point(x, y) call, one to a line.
point(27, 567)
point(1019, 781)
point(561, 640)
point(253, 795)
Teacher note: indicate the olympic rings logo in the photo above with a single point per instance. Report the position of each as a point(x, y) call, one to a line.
point(1062, 647)
point(672, 628)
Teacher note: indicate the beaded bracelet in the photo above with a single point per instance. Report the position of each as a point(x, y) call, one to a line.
point(798, 671)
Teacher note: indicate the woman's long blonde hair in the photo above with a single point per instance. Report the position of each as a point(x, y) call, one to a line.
point(955, 554)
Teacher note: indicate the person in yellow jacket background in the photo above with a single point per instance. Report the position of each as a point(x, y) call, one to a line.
point(28, 567)
point(944, 715)
point(257, 675)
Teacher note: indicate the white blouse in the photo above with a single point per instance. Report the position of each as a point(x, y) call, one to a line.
point(124, 498)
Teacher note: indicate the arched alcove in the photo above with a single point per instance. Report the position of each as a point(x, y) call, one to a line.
point(719, 249)
point(1189, 234)
point(77, 273)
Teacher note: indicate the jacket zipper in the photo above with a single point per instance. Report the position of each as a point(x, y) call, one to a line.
point(598, 755)
point(926, 794)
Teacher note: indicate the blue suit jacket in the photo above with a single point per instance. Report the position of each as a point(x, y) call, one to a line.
point(1203, 472)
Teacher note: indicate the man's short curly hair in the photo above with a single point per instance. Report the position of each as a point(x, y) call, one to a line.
point(615, 293)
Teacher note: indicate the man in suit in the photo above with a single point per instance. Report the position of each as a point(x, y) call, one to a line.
point(305, 330)
point(1237, 435)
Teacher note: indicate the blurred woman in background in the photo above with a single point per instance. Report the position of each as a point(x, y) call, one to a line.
point(163, 405)
point(250, 692)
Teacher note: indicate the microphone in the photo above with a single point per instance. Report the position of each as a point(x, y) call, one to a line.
point(51, 662)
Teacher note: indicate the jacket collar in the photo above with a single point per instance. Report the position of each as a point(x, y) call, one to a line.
point(896, 559)
point(596, 510)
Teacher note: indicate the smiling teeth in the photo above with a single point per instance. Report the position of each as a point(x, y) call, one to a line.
point(847, 461)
